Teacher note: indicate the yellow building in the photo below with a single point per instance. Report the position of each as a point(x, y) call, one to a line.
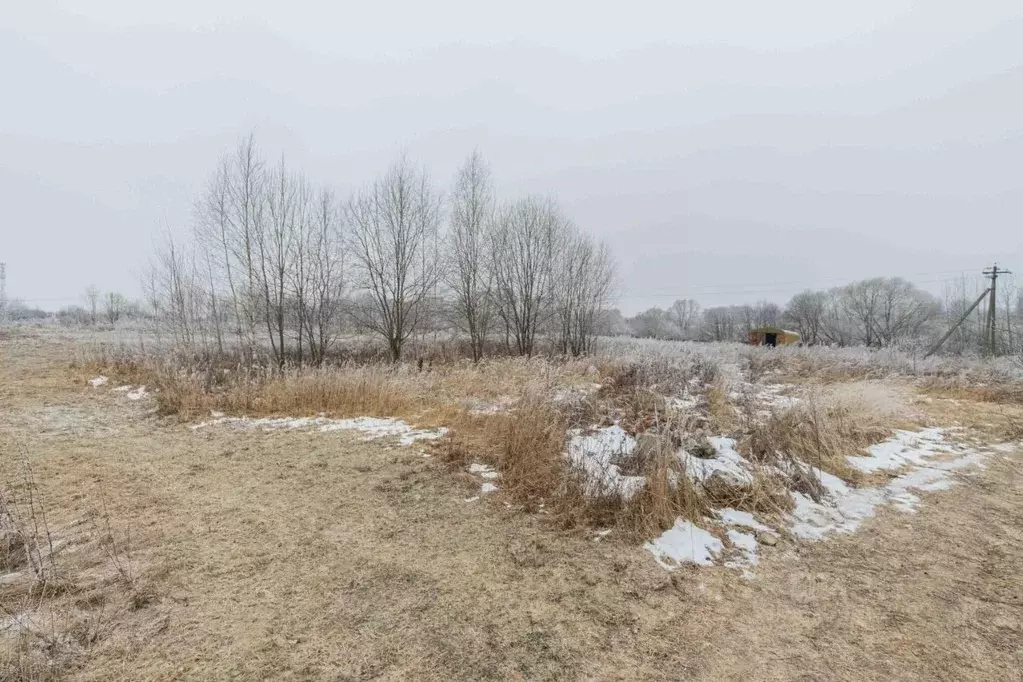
point(772, 336)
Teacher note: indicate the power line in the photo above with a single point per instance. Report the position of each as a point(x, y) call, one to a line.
point(695, 292)
point(799, 283)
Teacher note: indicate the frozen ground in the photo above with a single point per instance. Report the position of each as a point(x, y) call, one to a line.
point(927, 460)
point(371, 427)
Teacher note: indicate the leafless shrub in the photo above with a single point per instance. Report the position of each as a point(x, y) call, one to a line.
point(668, 494)
point(24, 528)
point(817, 433)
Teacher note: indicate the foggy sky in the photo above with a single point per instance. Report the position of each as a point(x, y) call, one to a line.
point(728, 151)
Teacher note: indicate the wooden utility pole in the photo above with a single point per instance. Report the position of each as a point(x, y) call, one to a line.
point(955, 326)
point(992, 336)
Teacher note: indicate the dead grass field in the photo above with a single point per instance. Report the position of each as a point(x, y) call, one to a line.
point(306, 555)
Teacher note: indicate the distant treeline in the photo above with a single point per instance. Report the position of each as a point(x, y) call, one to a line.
point(873, 312)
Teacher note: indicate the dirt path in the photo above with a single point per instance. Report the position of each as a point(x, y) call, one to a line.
point(302, 555)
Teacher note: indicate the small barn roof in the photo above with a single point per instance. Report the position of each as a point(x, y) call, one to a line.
point(773, 330)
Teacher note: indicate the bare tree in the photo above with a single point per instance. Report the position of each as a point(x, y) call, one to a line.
point(526, 238)
point(113, 306)
point(470, 276)
point(653, 323)
point(585, 278)
point(326, 280)
point(903, 310)
point(1009, 292)
point(247, 190)
point(722, 323)
point(805, 312)
point(684, 314)
point(393, 228)
point(862, 300)
point(214, 234)
point(170, 289)
point(276, 248)
point(92, 300)
point(766, 314)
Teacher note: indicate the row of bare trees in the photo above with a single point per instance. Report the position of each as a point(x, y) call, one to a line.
point(872, 312)
point(277, 264)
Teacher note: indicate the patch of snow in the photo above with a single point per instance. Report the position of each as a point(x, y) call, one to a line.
point(472, 499)
point(599, 535)
point(138, 394)
point(216, 414)
point(122, 389)
point(727, 460)
point(766, 397)
point(905, 447)
point(575, 394)
point(487, 488)
point(371, 427)
point(684, 543)
point(1005, 447)
point(844, 507)
point(483, 470)
point(502, 404)
point(743, 519)
point(746, 546)
point(422, 434)
point(595, 453)
point(97, 381)
point(683, 403)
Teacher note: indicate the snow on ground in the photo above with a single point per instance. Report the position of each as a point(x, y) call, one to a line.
point(742, 519)
point(727, 460)
point(97, 381)
point(683, 403)
point(766, 397)
point(501, 404)
point(138, 394)
point(746, 546)
point(576, 394)
point(905, 447)
point(595, 452)
point(483, 470)
point(371, 427)
point(122, 389)
point(926, 461)
point(844, 508)
point(684, 543)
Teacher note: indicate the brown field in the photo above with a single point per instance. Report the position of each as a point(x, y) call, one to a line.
point(224, 553)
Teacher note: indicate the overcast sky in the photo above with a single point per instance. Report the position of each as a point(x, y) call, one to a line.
point(728, 151)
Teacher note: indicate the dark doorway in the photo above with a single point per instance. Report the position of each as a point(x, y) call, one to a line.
point(770, 339)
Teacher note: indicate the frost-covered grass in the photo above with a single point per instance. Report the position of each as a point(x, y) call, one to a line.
point(815, 361)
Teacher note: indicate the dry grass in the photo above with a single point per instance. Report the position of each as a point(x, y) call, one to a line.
point(824, 428)
point(527, 442)
point(668, 495)
point(52, 610)
point(766, 494)
point(300, 555)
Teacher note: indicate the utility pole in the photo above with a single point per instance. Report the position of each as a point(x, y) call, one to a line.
point(962, 318)
point(992, 338)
